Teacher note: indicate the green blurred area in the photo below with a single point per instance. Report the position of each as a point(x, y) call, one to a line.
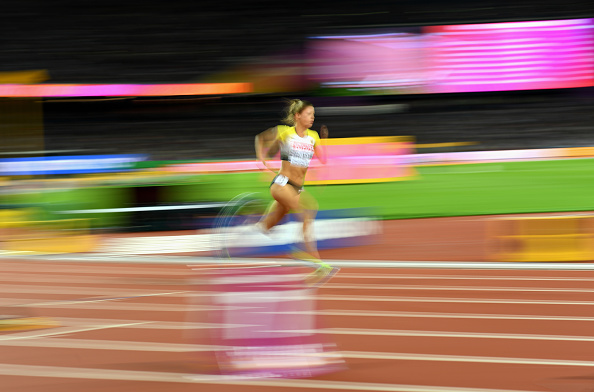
point(459, 190)
point(437, 191)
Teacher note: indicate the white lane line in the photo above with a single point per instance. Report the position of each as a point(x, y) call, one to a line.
point(158, 280)
point(61, 331)
point(8, 278)
point(28, 302)
point(106, 304)
point(184, 325)
point(90, 277)
point(452, 288)
point(368, 298)
point(397, 276)
point(48, 340)
point(122, 294)
point(484, 316)
point(131, 375)
point(117, 304)
point(112, 345)
point(36, 341)
point(121, 306)
point(173, 325)
point(440, 334)
point(75, 268)
point(197, 261)
point(180, 325)
point(146, 261)
point(87, 301)
point(464, 265)
point(112, 292)
point(462, 358)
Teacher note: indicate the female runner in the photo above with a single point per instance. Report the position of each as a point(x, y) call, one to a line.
point(298, 144)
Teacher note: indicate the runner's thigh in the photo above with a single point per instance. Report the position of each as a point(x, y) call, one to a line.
point(286, 196)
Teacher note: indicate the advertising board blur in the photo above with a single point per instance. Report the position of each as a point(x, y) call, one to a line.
point(354, 160)
point(75, 164)
point(482, 57)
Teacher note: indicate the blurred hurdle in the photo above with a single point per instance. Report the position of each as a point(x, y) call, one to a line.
point(541, 238)
point(47, 236)
point(265, 322)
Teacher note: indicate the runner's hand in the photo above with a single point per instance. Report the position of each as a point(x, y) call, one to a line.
point(267, 166)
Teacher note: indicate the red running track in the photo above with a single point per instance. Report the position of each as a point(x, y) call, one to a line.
point(124, 327)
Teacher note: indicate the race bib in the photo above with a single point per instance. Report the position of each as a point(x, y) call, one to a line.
point(300, 153)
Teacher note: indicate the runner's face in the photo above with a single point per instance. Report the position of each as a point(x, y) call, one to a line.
point(306, 117)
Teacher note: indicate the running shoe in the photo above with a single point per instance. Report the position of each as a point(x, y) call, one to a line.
point(321, 275)
point(323, 271)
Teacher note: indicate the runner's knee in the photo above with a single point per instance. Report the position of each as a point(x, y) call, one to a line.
point(286, 199)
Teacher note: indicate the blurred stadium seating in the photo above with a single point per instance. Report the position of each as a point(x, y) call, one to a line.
point(184, 41)
point(226, 128)
point(180, 41)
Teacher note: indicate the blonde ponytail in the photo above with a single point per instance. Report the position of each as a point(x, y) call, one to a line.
point(294, 106)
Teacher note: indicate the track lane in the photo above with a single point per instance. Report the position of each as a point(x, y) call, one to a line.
point(414, 329)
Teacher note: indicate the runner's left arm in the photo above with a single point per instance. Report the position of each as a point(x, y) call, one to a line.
point(319, 148)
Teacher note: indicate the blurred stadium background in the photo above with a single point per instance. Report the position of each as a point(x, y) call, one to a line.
point(190, 42)
point(273, 47)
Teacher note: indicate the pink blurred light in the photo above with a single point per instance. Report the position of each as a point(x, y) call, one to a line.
point(458, 58)
point(121, 90)
point(349, 161)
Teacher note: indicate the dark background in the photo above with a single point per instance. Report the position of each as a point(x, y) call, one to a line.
point(183, 41)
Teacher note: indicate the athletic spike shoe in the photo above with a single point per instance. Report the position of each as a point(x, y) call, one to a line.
point(321, 275)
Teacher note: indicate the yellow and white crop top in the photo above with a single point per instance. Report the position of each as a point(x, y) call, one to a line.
point(296, 149)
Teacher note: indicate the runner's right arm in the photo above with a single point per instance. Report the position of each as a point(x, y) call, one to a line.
point(267, 144)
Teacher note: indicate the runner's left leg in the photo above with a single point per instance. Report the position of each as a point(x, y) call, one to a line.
point(324, 271)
